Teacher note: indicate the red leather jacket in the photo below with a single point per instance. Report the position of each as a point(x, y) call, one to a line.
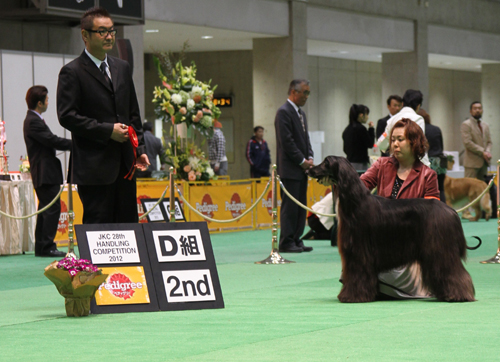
point(420, 183)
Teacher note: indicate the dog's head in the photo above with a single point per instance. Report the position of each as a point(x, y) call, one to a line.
point(330, 171)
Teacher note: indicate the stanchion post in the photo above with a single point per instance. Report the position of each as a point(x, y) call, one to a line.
point(172, 194)
point(71, 219)
point(496, 258)
point(274, 257)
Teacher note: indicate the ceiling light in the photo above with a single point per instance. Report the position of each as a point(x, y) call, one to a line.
point(343, 52)
point(152, 31)
point(207, 37)
point(478, 66)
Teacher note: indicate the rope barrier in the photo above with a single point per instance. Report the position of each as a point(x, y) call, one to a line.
point(156, 204)
point(302, 205)
point(37, 212)
point(224, 221)
point(479, 197)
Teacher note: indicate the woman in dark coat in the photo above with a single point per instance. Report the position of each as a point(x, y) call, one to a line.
point(358, 139)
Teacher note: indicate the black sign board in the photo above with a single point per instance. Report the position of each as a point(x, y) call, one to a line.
point(161, 212)
point(120, 251)
point(127, 8)
point(183, 265)
point(179, 213)
point(79, 5)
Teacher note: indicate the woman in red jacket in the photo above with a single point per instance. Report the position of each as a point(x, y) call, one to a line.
point(403, 176)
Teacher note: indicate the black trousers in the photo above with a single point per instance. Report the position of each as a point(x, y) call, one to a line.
point(292, 216)
point(109, 204)
point(47, 221)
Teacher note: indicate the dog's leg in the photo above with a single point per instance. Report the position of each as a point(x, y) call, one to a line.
point(442, 268)
point(360, 282)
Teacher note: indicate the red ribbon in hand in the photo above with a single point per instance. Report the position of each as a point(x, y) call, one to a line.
point(135, 142)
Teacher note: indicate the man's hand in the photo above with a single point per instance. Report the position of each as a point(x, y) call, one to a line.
point(370, 124)
point(307, 164)
point(487, 156)
point(120, 133)
point(142, 162)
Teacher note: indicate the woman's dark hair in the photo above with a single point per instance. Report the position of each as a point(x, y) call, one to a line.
point(37, 93)
point(355, 111)
point(414, 134)
point(413, 98)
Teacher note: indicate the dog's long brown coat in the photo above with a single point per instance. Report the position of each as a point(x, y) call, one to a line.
point(376, 234)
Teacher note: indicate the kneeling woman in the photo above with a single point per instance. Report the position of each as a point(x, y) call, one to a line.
point(403, 176)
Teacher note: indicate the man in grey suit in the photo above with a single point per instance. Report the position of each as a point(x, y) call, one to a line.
point(96, 101)
point(295, 156)
point(477, 141)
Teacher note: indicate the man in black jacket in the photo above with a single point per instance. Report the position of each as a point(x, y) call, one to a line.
point(295, 156)
point(394, 104)
point(45, 168)
point(96, 101)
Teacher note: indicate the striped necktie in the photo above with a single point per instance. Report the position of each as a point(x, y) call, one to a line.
point(302, 120)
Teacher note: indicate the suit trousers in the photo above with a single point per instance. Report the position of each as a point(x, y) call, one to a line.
point(47, 221)
point(478, 173)
point(113, 203)
point(292, 216)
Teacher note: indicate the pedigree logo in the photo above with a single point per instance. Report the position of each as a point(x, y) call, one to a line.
point(235, 205)
point(207, 207)
point(125, 285)
point(63, 224)
point(268, 203)
point(121, 286)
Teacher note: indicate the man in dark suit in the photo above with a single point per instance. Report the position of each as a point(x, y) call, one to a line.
point(394, 104)
point(96, 101)
point(295, 156)
point(45, 168)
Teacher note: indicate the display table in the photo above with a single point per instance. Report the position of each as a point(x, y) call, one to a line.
point(17, 198)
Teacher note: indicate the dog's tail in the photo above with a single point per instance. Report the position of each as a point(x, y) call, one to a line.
point(477, 246)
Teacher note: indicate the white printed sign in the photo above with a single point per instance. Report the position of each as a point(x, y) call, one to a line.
point(188, 285)
point(155, 214)
point(178, 213)
point(113, 247)
point(178, 245)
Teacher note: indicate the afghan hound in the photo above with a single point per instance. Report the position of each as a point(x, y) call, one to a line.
point(377, 234)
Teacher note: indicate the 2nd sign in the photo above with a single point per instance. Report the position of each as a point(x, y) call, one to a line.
point(188, 285)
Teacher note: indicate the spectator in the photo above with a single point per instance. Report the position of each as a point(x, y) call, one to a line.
point(437, 158)
point(477, 141)
point(357, 139)
point(217, 150)
point(258, 154)
point(394, 103)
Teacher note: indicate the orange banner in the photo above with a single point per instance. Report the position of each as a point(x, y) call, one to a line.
point(124, 285)
point(222, 202)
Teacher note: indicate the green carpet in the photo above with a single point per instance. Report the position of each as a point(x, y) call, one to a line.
point(272, 313)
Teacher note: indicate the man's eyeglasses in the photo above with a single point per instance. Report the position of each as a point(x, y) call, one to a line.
point(103, 32)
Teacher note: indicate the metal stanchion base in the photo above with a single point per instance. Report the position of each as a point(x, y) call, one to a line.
point(494, 260)
point(274, 258)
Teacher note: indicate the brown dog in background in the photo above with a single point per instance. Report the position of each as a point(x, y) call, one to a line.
point(460, 191)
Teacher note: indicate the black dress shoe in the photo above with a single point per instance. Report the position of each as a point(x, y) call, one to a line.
point(305, 248)
point(53, 253)
point(291, 249)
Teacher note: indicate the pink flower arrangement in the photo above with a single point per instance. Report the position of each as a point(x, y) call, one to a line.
point(191, 176)
point(73, 266)
point(187, 168)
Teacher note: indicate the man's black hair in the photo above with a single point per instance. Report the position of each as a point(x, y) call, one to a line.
point(413, 99)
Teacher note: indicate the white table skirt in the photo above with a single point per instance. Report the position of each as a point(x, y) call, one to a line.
point(17, 198)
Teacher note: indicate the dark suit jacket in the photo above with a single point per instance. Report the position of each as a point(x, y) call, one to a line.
point(41, 145)
point(292, 143)
point(381, 124)
point(89, 107)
